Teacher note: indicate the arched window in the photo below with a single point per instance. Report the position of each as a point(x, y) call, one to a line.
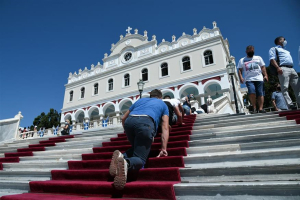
point(186, 63)
point(110, 84)
point(82, 92)
point(164, 69)
point(126, 79)
point(71, 96)
point(145, 74)
point(95, 88)
point(208, 57)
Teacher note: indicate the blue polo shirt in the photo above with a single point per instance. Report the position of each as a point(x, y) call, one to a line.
point(284, 55)
point(152, 107)
point(279, 100)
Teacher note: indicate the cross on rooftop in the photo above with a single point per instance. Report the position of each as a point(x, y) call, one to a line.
point(128, 30)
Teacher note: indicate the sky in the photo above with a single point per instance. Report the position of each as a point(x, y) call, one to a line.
point(41, 41)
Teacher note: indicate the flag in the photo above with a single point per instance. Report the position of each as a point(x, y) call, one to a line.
point(105, 122)
point(54, 130)
point(41, 132)
point(86, 126)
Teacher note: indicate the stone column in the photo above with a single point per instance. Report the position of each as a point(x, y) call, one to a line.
point(202, 100)
point(74, 125)
point(101, 118)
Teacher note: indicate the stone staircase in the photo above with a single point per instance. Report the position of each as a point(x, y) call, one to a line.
point(229, 157)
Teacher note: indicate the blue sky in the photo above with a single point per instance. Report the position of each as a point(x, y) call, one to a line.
point(41, 41)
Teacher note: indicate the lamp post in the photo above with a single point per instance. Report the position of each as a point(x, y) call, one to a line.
point(140, 87)
point(231, 70)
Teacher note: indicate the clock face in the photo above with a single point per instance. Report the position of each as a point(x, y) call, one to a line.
point(127, 56)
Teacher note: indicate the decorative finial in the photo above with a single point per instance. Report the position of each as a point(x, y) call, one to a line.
point(135, 31)
point(92, 66)
point(163, 40)
point(195, 31)
point(173, 38)
point(70, 74)
point(183, 33)
point(75, 73)
point(112, 45)
point(79, 72)
point(145, 33)
point(214, 24)
point(121, 37)
point(98, 63)
point(204, 27)
point(153, 37)
point(105, 56)
point(85, 68)
point(128, 30)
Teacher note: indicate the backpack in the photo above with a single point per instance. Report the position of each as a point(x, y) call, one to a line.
point(171, 112)
point(273, 69)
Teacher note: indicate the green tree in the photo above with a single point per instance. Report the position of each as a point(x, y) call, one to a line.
point(52, 118)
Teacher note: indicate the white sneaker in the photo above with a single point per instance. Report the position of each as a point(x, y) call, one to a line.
point(121, 177)
point(114, 162)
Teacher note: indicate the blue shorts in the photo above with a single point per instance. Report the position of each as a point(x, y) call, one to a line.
point(256, 87)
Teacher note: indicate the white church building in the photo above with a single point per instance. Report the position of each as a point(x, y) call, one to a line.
point(192, 64)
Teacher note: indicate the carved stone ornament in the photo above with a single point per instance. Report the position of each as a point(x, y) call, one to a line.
point(205, 36)
point(127, 42)
point(105, 56)
point(163, 49)
point(121, 37)
point(79, 72)
point(184, 43)
point(111, 62)
point(183, 33)
point(195, 31)
point(135, 31)
point(163, 40)
point(97, 71)
point(145, 33)
point(144, 51)
point(92, 66)
point(173, 38)
point(70, 74)
point(153, 37)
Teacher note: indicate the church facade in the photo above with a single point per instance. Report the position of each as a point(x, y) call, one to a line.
point(190, 64)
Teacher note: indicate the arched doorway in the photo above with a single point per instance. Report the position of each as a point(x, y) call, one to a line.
point(214, 90)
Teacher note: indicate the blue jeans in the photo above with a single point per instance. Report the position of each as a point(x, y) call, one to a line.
point(140, 131)
point(186, 109)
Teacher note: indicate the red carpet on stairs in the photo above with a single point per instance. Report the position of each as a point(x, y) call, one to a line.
point(14, 157)
point(90, 177)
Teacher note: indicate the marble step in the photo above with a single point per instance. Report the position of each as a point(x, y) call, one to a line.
point(61, 152)
point(261, 122)
point(231, 139)
point(4, 192)
point(269, 188)
point(238, 197)
point(14, 185)
point(239, 119)
point(238, 126)
point(243, 146)
point(243, 156)
point(248, 130)
point(46, 173)
point(277, 172)
point(65, 157)
point(35, 165)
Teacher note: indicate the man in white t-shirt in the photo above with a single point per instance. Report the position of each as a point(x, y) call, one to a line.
point(178, 110)
point(254, 69)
